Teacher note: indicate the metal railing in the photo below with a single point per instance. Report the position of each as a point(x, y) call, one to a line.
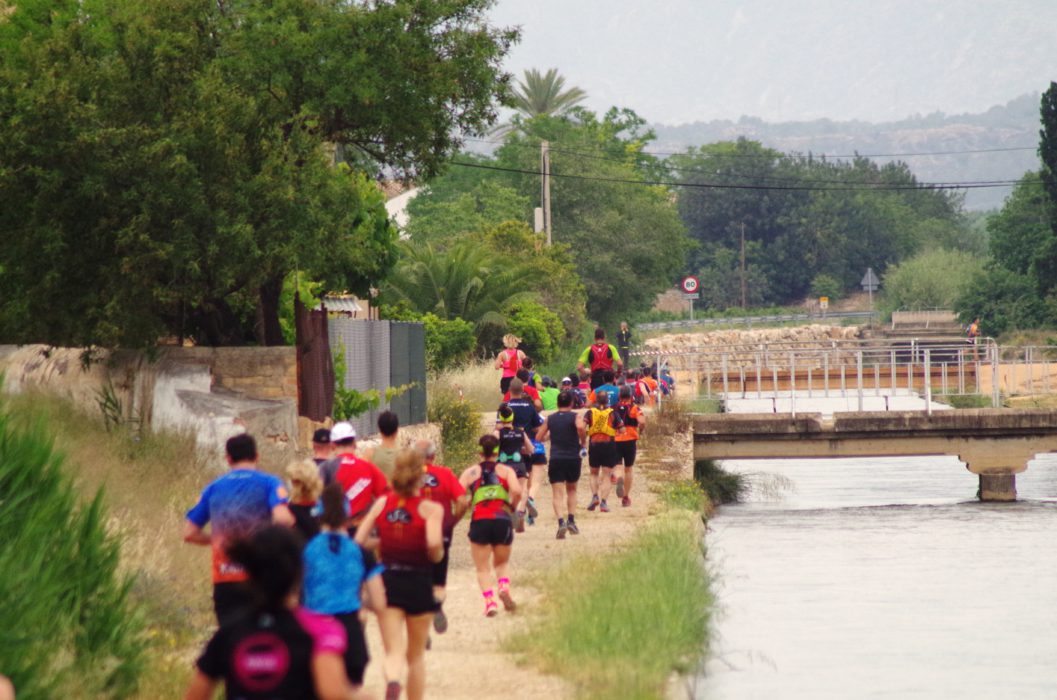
point(846, 368)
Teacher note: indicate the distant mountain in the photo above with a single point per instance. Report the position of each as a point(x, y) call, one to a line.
point(1013, 125)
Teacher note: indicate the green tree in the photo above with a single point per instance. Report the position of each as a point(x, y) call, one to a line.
point(932, 279)
point(175, 158)
point(443, 220)
point(1003, 300)
point(1019, 233)
point(544, 94)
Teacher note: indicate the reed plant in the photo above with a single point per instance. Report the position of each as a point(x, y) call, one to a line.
point(71, 628)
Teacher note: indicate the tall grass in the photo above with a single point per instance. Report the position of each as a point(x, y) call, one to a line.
point(70, 628)
point(618, 625)
point(475, 382)
point(460, 427)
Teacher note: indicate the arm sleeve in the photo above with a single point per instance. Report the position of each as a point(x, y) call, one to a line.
point(585, 355)
point(212, 662)
point(379, 484)
point(199, 514)
point(614, 352)
point(276, 493)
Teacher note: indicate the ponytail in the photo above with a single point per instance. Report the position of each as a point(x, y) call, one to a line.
point(272, 559)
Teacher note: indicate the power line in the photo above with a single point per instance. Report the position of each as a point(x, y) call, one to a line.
point(780, 154)
point(724, 186)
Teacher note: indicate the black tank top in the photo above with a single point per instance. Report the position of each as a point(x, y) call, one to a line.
point(565, 440)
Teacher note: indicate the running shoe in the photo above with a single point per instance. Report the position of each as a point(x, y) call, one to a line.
point(440, 621)
point(573, 530)
point(530, 519)
point(490, 608)
point(594, 503)
point(392, 690)
point(508, 601)
point(604, 508)
point(562, 529)
point(532, 512)
point(620, 487)
point(626, 501)
point(519, 526)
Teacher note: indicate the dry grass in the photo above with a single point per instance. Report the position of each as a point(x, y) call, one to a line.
point(476, 382)
point(149, 482)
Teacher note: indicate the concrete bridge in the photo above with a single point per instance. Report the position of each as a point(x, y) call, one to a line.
point(995, 444)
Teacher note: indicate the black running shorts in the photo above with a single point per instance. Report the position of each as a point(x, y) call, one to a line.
point(356, 657)
point(626, 450)
point(564, 470)
point(602, 454)
point(411, 590)
point(440, 569)
point(495, 531)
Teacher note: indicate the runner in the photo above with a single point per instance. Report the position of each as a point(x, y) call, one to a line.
point(322, 450)
point(276, 650)
point(568, 438)
point(492, 488)
point(235, 505)
point(337, 571)
point(608, 385)
point(440, 485)
point(509, 360)
point(624, 342)
point(383, 456)
point(529, 391)
point(410, 542)
point(305, 487)
point(530, 381)
point(515, 451)
point(634, 420)
point(549, 394)
point(571, 383)
point(603, 424)
point(599, 357)
point(361, 481)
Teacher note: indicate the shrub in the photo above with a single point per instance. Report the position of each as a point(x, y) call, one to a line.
point(460, 426)
point(931, 280)
point(448, 342)
point(826, 286)
point(68, 620)
point(539, 328)
point(719, 485)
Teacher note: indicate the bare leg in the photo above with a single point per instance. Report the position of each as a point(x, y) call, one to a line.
point(521, 503)
point(558, 498)
point(604, 484)
point(629, 478)
point(417, 634)
point(594, 481)
point(501, 555)
point(391, 623)
point(535, 480)
point(482, 562)
point(570, 497)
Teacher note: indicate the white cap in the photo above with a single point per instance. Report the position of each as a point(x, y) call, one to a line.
point(342, 431)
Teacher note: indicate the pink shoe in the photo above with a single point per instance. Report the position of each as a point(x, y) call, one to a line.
point(490, 608)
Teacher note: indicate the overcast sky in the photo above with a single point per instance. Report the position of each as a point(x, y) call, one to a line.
point(676, 61)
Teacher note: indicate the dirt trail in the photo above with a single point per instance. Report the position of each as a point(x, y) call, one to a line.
point(467, 661)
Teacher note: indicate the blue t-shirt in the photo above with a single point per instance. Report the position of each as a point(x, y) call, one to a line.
point(236, 504)
point(335, 569)
point(612, 394)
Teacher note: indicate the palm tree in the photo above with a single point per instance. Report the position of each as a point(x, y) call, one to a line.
point(466, 281)
point(542, 94)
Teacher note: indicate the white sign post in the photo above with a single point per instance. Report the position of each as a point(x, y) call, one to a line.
point(690, 285)
point(870, 283)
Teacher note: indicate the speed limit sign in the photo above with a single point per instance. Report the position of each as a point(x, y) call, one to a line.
point(690, 284)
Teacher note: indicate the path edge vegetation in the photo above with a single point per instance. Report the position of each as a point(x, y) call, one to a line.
point(631, 620)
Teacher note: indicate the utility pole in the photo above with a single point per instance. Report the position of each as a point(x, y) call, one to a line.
point(545, 194)
point(744, 285)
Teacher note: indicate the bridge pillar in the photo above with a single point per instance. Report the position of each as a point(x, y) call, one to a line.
point(998, 487)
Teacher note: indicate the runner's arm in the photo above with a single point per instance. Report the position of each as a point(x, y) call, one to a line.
point(543, 432)
point(363, 530)
point(529, 447)
point(202, 687)
point(281, 515)
point(616, 357)
point(499, 360)
point(193, 534)
point(511, 478)
point(460, 505)
point(373, 594)
point(581, 363)
point(328, 676)
point(434, 515)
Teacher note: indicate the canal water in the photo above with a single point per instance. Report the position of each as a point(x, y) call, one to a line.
point(883, 578)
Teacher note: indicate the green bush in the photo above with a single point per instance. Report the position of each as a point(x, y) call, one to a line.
point(826, 286)
point(460, 426)
point(69, 626)
point(540, 330)
point(719, 485)
point(1004, 301)
point(448, 343)
point(934, 279)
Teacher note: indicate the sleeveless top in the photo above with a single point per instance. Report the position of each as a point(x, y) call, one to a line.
point(511, 362)
point(402, 533)
point(601, 427)
point(490, 495)
point(601, 357)
point(511, 443)
point(565, 440)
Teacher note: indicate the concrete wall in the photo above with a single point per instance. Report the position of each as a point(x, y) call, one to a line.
point(210, 392)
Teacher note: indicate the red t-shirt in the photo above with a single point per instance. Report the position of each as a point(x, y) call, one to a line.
point(529, 391)
point(402, 532)
point(362, 482)
point(440, 485)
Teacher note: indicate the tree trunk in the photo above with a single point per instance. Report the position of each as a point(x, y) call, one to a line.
point(268, 330)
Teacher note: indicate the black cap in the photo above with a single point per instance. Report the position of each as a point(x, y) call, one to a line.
point(321, 436)
point(547, 381)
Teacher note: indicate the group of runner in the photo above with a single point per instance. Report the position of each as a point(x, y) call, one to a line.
point(294, 569)
point(296, 564)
